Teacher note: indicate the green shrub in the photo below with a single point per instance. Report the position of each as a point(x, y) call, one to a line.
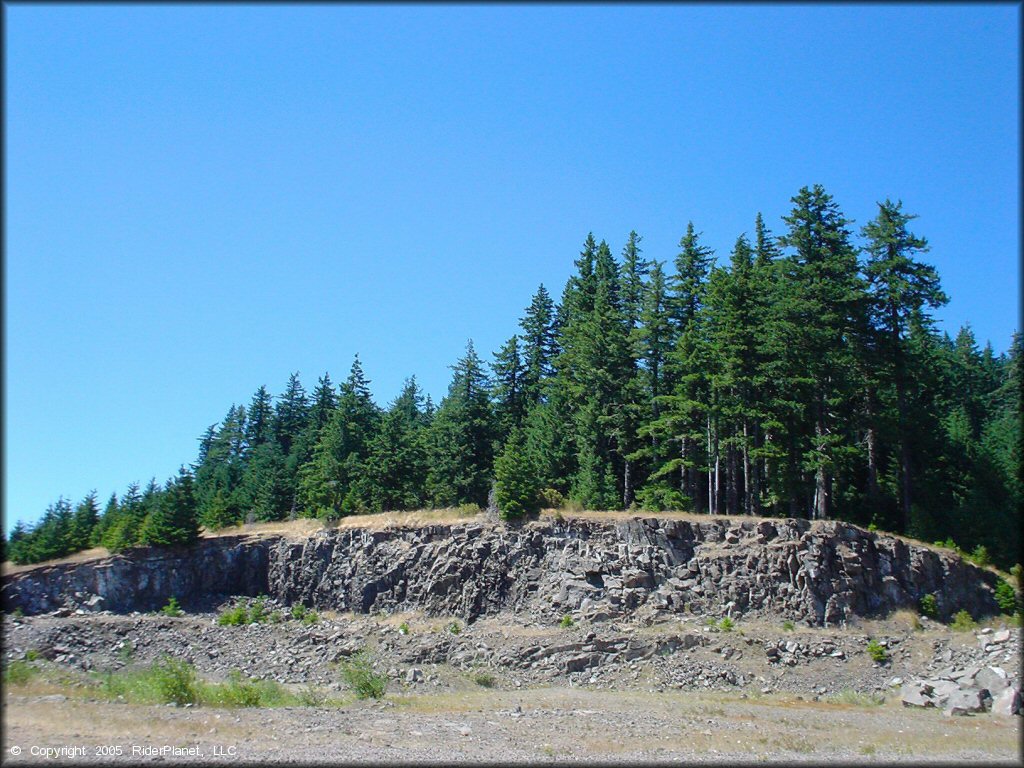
point(963, 621)
point(308, 696)
point(660, 498)
point(18, 613)
point(19, 673)
point(276, 617)
point(726, 624)
point(566, 621)
point(515, 480)
point(241, 692)
point(358, 674)
point(311, 618)
point(948, 544)
point(172, 608)
point(788, 626)
point(1006, 598)
point(929, 607)
point(484, 679)
point(258, 610)
point(877, 651)
point(980, 556)
point(175, 681)
point(551, 498)
point(403, 628)
point(298, 611)
point(455, 628)
point(31, 655)
point(234, 616)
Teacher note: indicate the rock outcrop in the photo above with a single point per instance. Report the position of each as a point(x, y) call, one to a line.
point(820, 572)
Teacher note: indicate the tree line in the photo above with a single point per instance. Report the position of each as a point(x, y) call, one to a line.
point(802, 376)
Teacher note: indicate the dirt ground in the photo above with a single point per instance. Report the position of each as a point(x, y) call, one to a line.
point(528, 726)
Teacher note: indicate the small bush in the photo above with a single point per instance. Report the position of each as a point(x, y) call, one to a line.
point(484, 679)
point(929, 607)
point(726, 624)
point(551, 498)
point(1006, 598)
point(403, 628)
point(175, 681)
point(31, 655)
point(18, 613)
point(19, 673)
point(234, 616)
point(877, 651)
point(309, 696)
point(276, 617)
point(455, 628)
point(788, 626)
point(172, 608)
point(948, 544)
point(242, 692)
point(467, 510)
point(963, 621)
point(358, 674)
point(980, 556)
point(311, 617)
point(257, 610)
point(566, 621)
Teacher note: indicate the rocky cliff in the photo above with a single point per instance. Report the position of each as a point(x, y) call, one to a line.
point(821, 573)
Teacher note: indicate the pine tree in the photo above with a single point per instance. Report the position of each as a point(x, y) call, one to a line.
point(260, 426)
point(901, 292)
point(173, 522)
point(515, 483)
point(461, 437)
point(510, 388)
point(291, 414)
point(539, 344)
point(828, 297)
point(396, 467)
point(84, 519)
point(325, 400)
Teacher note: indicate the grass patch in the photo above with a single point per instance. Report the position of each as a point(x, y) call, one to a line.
point(788, 626)
point(455, 628)
point(19, 673)
point(857, 699)
point(727, 624)
point(908, 619)
point(358, 674)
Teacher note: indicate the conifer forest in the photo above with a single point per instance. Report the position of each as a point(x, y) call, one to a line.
point(799, 375)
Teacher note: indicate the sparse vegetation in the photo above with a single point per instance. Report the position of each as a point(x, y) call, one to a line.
point(31, 654)
point(963, 621)
point(878, 652)
point(929, 607)
point(551, 498)
point(483, 678)
point(18, 673)
point(566, 621)
point(455, 628)
point(403, 628)
point(234, 616)
point(788, 626)
point(857, 698)
point(172, 608)
point(175, 681)
point(980, 556)
point(726, 624)
point(359, 675)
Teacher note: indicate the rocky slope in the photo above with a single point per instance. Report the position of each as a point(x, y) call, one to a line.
point(820, 573)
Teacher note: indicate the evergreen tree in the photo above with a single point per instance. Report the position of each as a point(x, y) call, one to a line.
point(173, 521)
point(510, 382)
point(396, 468)
point(260, 426)
point(84, 519)
point(461, 437)
point(902, 290)
point(515, 480)
point(539, 344)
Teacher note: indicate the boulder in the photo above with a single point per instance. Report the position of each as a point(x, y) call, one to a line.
point(1007, 703)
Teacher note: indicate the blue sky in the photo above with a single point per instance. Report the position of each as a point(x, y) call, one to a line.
point(201, 199)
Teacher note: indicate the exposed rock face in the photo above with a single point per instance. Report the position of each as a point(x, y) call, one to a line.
point(142, 579)
point(820, 573)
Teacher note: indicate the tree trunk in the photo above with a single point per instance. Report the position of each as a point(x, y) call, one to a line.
point(748, 497)
point(711, 485)
point(627, 484)
point(732, 482)
point(822, 478)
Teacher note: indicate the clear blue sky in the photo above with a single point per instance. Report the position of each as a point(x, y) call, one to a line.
point(201, 200)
